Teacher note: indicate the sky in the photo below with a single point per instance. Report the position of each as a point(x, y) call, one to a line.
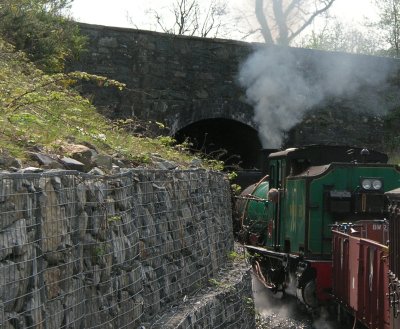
point(135, 13)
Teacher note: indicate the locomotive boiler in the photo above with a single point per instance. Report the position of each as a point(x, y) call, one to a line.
point(286, 219)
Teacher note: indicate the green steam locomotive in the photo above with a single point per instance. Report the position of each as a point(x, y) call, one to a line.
point(285, 220)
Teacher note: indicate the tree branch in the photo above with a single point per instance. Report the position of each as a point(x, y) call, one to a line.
point(318, 12)
point(262, 20)
point(281, 22)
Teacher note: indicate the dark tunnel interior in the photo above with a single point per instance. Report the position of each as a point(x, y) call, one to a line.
point(233, 142)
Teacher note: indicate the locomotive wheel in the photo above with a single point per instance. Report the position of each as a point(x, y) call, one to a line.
point(309, 294)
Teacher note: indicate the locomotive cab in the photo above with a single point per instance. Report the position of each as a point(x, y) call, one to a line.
point(319, 185)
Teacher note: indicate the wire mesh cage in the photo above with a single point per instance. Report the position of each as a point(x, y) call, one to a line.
point(83, 251)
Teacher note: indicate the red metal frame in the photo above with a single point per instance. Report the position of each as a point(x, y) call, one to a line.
point(324, 279)
point(360, 279)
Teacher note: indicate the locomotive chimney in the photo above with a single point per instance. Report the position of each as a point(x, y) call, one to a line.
point(364, 154)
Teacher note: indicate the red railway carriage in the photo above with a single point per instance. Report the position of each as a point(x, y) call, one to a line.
point(360, 267)
point(394, 258)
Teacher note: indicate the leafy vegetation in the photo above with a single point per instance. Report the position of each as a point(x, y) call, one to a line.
point(41, 29)
point(42, 111)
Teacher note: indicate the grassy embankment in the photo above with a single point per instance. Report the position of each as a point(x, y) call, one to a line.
point(43, 112)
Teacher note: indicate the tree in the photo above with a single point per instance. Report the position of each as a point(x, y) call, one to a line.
point(336, 36)
point(389, 24)
point(281, 21)
point(191, 18)
point(41, 29)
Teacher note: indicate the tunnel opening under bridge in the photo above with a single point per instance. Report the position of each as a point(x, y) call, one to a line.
point(233, 142)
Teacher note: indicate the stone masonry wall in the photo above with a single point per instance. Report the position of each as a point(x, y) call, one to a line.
point(172, 79)
point(83, 251)
point(180, 80)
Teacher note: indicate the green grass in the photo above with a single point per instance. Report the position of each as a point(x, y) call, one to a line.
point(39, 110)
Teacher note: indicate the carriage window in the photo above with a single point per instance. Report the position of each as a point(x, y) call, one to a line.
point(272, 175)
point(297, 166)
point(276, 172)
point(283, 174)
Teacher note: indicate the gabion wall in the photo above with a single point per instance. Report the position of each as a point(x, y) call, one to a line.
point(80, 251)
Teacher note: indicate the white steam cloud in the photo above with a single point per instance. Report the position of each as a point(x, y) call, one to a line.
point(284, 83)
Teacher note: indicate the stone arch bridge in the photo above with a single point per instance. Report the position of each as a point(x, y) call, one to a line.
point(191, 85)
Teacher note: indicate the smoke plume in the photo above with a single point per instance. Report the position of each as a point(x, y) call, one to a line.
point(283, 83)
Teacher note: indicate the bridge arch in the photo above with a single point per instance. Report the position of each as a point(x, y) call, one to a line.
point(232, 141)
point(181, 81)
